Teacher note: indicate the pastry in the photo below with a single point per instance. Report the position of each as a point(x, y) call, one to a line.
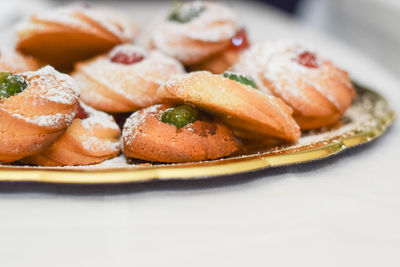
point(125, 79)
point(35, 110)
point(250, 112)
point(176, 134)
point(195, 31)
point(14, 62)
point(223, 60)
point(64, 36)
point(318, 91)
point(92, 137)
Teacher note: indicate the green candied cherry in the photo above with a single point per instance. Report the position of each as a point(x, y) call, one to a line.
point(11, 84)
point(184, 13)
point(180, 116)
point(241, 78)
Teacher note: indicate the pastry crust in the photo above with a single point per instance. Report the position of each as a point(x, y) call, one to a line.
point(250, 112)
point(146, 137)
point(222, 61)
point(318, 91)
point(205, 35)
point(34, 119)
point(92, 138)
point(116, 87)
point(14, 62)
point(64, 36)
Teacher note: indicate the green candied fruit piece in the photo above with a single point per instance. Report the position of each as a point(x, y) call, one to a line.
point(241, 78)
point(185, 13)
point(180, 116)
point(11, 84)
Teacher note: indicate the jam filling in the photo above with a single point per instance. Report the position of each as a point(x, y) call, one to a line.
point(81, 113)
point(308, 60)
point(240, 40)
point(127, 58)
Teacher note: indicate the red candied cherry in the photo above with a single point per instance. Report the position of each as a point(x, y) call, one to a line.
point(308, 60)
point(81, 113)
point(127, 58)
point(240, 40)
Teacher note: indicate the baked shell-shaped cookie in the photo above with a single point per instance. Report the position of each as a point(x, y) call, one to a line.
point(318, 91)
point(34, 119)
point(64, 36)
point(92, 138)
point(125, 79)
point(146, 137)
point(207, 33)
point(14, 62)
point(252, 113)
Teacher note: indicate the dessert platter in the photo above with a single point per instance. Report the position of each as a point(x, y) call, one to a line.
point(88, 97)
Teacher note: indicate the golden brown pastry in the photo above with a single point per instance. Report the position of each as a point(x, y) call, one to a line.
point(318, 91)
point(35, 110)
point(125, 79)
point(64, 36)
point(92, 137)
point(195, 31)
point(223, 60)
point(14, 62)
point(175, 134)
point(250, 112)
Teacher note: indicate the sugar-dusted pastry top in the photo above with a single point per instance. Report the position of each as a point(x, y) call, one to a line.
point(34, 118)
point(85, 18)
point(124, 79)
point(145, 136)
point(13, 61)
point(311, 85)
point(240, 106)
point(92, 137)
point(47, 101)
point(206, 33)
point(64, 36)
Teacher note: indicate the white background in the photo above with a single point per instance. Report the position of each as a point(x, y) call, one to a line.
point(342, 211)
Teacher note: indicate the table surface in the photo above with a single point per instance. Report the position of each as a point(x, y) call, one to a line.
point(342, 211)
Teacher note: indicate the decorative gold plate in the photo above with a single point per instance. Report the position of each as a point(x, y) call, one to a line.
point(367, 118)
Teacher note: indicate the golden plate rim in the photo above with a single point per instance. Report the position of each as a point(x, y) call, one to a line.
point(200, 170)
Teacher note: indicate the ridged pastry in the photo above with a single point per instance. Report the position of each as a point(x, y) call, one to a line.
point(32, 120)
point(64, 36)
point(14, 62)
point(223, 60)
point(92, 137)
point(146, 137)
point(318, 91)
point(125, 79)
point(242, 107)
point(195, 31)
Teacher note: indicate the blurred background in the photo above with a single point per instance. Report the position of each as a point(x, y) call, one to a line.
point(370, 26)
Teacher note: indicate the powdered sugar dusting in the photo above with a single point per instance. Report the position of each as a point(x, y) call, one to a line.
point(135, 122)
point(96, 145)
point(71, 16)
point(96, 117)
point(277, 63)
point(126, 81)
point(216, 23)
point(53, 85)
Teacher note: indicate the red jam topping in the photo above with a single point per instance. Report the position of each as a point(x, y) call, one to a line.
point(308, 60)
point(81, 113)
point(127, 59)
point(240, 40)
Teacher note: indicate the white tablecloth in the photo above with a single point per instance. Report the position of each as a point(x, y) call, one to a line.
point(342, 211)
